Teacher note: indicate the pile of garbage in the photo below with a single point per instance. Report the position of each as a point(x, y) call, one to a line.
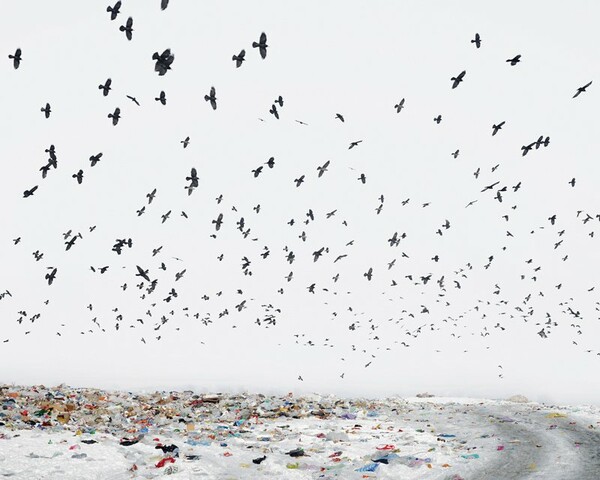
point(62, 432)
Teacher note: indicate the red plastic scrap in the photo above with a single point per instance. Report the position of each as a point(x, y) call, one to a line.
point(386, 447)
point(164, 461)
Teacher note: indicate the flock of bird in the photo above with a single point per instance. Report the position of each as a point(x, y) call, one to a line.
point(147, 280)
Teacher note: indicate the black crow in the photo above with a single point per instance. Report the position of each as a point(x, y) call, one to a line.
point(16, 58)
point(261, 45)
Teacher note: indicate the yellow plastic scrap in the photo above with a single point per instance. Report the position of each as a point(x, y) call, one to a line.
point(556, 415)
point(63, 418)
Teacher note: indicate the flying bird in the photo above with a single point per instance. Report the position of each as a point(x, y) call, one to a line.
point(127, 28)
point(46, 110)
point(218, 222)
point(354, 144)
point(133, 99)
point(495, 127)
point(340, 117)
point(185, 142)
point(116, 115)
point(30, 192)
point(78, 176)
point(261, 45)
point(164, 4)
point(239, 58)
point(114, 10)
point(456, 80)
point(477, 40)
point(579, 91)
point(322, 169)
point(273, 111)
point(151, 196)
point(212, 98)
point(51, 276)
point(161, 98)
point(193, 179)
point(399, 106)
point(142, 273)
point(163, 61)
point(16, 58)
point(513, 61)
point(438, 119)
point(95, 159)
point(106, 87)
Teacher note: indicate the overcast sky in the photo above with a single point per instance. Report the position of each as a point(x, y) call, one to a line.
point(354, 58)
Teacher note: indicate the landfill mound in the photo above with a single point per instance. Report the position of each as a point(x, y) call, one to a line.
point(73, 433)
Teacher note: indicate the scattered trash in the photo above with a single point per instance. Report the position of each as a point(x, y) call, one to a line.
point(425, 395)
point(254, 436)
point(470, 455)
point(371, 467)
point(297, 452)
point(518, 399)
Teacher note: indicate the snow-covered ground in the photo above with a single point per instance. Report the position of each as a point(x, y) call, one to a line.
point(297, 438)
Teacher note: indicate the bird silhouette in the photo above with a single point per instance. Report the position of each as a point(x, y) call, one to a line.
point(459, 78)
point(106, 87)
point(50, 277)
point(127, 28)
point(46, 110)
point(193, 179)
point(114, 10)
point(16, 58)
point(78, 176)
point(151, 196)
point(477, 40)
point(161, 98)
point(513, 61)
point(218, 222)
point(399, 106)
point(323, 168)
point(94, 159)
point(261, 45)
point(133, 99)
point(579, 91)
point(163, 61)
point(142, 273)
point(495, 127)
point(30, 192)
point(212, 98)
point(116, 115)
point(239, 58)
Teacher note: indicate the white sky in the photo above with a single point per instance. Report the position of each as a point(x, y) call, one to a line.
point(355, 58)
